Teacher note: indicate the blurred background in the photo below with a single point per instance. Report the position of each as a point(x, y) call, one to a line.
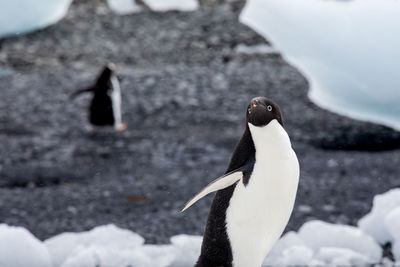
point(187, 72)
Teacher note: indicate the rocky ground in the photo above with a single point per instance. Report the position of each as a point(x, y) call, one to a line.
point(185, 91)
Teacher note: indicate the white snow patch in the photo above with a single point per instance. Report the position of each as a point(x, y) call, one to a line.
point(285, 251)
point(21, 16)
point(335, 256)
point(111, 246)
point(74, 245)
point(18, 247)
point(374, 222)
point(255, 49)
point(319, 234)
point(166, 5)
point(392, 224)
point(318, 243)
point(124, 7)
point(144, 256)
point(186, 245)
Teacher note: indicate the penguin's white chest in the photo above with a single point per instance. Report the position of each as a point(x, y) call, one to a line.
point(258, 213)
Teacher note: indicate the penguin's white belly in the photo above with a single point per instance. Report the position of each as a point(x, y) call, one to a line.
point(258, 213)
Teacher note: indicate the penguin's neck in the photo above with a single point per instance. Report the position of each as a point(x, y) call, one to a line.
point(271, 137)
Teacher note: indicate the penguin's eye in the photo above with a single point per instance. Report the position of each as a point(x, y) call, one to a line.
point(269, 108)
point(249, 110)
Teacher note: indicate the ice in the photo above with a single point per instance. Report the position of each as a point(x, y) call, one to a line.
point(18, 247)
point(335, 256)
point(107, 236)
point(186, 245)
point(392, 224)
point(292, 256)
point(255, 49)
point(123, 7)
point(277, 255)
point(319, 234)
point(319, 243)
point(165, 5)
point(111, 246)
point(331, 43)
point(144, 256)
point(373, 223)
point(21, 16)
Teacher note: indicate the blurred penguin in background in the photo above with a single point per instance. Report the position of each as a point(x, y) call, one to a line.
point(105, 106)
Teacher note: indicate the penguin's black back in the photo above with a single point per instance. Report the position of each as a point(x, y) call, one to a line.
point(101, 110)
point(216, 249)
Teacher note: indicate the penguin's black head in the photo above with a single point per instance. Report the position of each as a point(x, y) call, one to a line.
point(104, 79)
point(261, 111)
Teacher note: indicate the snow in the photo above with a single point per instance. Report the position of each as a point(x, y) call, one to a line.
point(317, 243)
point(374, 222)
point(109, 245)
point(338, 45)
point(319, 234)
point(124, 7)
point(255, 49)
point(392, 224)
point(18, 247)
point(22, 16)
point(166, 5)
point(73, 245)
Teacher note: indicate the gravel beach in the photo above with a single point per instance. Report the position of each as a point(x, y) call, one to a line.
point(185, 88)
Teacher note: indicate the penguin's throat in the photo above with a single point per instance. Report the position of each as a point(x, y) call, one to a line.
point(269, 137)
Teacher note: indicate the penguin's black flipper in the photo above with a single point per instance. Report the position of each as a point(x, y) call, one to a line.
point(85, 90)
point(218, 184)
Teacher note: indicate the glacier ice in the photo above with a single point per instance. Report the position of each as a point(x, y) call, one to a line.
point(22, 16)
point(347, 49)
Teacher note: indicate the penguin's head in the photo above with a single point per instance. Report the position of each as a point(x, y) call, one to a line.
point(262, 111)
point(103, 82)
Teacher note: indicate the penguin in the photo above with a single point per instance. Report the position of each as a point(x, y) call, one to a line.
point(255, 197)
point(105, 106)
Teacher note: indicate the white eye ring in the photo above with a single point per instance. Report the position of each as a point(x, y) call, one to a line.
point(249, 110)
point(269, 108)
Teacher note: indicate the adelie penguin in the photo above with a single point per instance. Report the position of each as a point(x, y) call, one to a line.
point(105, 106)
point(255, 197)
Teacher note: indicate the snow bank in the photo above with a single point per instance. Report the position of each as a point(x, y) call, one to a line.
point(21, 16)
point(18, 247)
